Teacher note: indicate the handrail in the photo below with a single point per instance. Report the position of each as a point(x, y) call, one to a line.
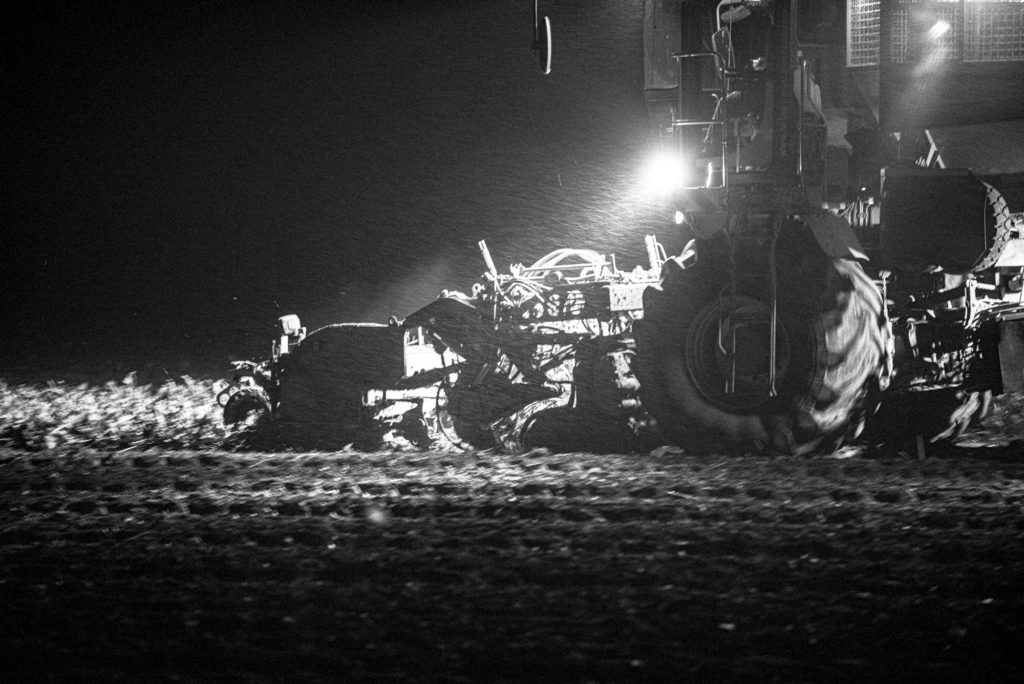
point(719, 117)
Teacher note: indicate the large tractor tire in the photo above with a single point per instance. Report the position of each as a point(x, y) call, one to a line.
point(831, 341)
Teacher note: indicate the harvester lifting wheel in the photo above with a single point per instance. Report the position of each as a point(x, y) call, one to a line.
point(470, 408)
point(247, 405)
point(704, 353)
point(322, 381)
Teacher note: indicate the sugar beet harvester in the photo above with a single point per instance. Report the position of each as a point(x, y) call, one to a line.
point(835, 260)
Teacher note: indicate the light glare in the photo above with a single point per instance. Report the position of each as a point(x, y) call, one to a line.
point(939, 29)
point(663, 173)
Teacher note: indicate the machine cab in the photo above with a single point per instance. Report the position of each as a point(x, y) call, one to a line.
point(774, 91)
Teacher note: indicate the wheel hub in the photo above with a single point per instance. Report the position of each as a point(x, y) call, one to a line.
point(728, 352)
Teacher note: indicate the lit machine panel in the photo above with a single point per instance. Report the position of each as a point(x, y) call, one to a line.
point(940, 63)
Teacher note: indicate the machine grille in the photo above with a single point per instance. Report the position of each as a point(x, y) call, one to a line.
point(944, 31)
point(863, 21)
point(994, 31)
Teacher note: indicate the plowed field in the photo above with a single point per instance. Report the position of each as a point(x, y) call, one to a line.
point(189, 566)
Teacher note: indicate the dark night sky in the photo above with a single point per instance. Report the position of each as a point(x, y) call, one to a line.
point(177, 175)
point(174, 175)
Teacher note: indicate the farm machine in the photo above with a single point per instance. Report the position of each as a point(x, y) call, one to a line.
point(840, 256)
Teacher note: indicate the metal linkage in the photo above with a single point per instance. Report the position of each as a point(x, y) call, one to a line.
point(773, 275)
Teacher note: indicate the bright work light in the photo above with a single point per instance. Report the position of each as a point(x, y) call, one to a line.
point(664, 172)
point(939, 29)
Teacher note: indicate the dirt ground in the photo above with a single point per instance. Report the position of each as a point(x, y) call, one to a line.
point(471, 566)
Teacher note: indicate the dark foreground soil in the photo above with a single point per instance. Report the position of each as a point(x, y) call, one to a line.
point(159, 566)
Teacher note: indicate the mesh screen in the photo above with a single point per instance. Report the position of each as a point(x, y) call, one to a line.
point(953, 31)
point(934, 44)
point(863, 19)
point(994, 31)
